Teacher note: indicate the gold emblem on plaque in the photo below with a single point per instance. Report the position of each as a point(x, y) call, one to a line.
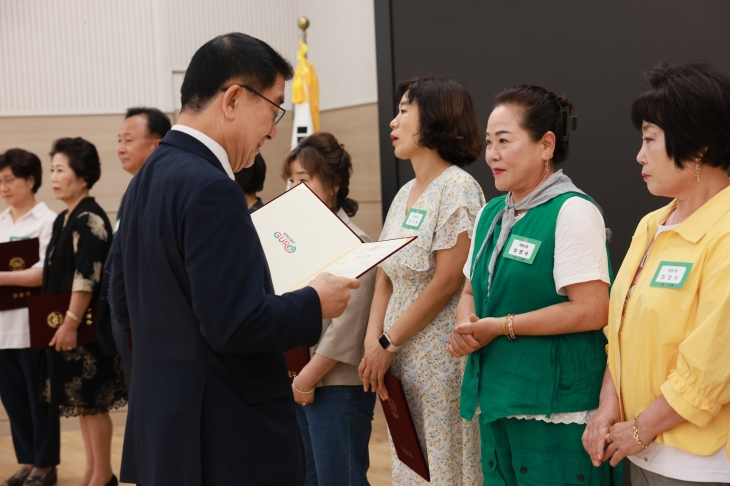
point(54, 319)
point(16, 263)
point(393, 407)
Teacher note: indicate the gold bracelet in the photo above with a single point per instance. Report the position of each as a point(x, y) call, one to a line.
point(512, 336)
point(504, 326)
point(300, 391)
point(636, 437)
point(73, 316)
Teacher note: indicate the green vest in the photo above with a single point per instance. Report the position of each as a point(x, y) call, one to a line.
point(531, 375)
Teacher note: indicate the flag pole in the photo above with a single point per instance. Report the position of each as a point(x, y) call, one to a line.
point(303, 24)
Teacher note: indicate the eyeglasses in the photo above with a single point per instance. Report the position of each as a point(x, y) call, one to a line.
point(279, 115)
point(7, 182)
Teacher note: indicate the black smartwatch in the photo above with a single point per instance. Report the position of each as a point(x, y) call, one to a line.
point(387, 344)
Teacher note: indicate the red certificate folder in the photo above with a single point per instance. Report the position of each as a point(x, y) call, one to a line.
point(47, 312)
point(402, 430)
point(296, 360)
point(17, 255)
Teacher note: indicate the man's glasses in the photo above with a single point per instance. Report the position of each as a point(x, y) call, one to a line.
point(279, 115)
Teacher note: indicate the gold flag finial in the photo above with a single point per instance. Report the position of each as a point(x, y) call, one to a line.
point(303, 23)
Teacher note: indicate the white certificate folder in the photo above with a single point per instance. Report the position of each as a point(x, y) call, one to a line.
point(302, 237)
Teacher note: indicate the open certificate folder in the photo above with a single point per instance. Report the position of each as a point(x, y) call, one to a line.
point(302, 237)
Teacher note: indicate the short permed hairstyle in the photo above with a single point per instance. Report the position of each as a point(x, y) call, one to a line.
point(251, 179)
point(541, 112)
point(82, 158)
point(691, 103)
point(228, 57)
point(157, 122)
point(448, 121)
point(24, 165)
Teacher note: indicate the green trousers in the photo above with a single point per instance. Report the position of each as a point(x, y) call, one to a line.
point(519, 452)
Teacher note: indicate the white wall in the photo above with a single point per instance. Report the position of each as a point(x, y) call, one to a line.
point(66, 57)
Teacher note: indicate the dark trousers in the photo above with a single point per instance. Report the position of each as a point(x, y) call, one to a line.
point(36, 440)
point(121, 342)
point(336, 431)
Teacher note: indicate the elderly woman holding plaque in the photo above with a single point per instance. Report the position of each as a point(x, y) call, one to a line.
point(80, 380)
point(36, 439)
point(417, 290)
point(665, 401)
point(531, 313)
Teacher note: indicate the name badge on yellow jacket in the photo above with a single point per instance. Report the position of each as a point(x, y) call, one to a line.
point(671, 275)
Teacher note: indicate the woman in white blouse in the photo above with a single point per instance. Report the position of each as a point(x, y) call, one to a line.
point(36, 440)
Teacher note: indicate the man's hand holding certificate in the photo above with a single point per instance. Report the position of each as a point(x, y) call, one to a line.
point(302, 238)
point(333, 293)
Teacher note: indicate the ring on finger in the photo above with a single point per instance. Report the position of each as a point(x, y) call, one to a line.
point(608, 438)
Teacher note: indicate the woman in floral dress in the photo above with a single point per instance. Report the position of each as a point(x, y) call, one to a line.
point(416, 293)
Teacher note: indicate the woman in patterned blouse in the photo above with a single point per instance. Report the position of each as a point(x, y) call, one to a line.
point(81, 380)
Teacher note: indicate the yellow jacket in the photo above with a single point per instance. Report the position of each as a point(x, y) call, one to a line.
point(676, 341)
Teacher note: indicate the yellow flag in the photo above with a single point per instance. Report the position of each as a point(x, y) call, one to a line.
point(305, 85)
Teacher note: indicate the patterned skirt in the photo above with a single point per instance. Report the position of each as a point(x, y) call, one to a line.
point(83, 381)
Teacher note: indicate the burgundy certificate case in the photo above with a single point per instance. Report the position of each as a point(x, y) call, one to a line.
point(296, 360)
point(47, 312)
point(402, 430)
point(17, 255)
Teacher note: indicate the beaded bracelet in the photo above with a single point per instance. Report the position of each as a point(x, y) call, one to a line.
point(636, 437)
point(300, 391)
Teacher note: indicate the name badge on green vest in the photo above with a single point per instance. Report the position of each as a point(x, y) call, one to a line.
point(414, 219)
point(521, 249)
point(19, 238)
point(671, 275)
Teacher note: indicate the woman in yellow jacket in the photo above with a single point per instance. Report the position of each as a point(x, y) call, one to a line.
point(665, 400)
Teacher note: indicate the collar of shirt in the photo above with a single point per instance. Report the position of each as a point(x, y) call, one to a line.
point(700, 222)
point(343, 216)
point(214, 146)
point(36, 212)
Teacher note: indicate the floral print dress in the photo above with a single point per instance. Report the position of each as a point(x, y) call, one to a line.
point(431, 377)
point(82, 381)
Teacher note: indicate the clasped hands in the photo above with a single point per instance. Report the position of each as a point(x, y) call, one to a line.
point(607, 438)
point(473, 335)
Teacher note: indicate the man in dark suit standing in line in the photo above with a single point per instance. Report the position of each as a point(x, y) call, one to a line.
point(140, 134)
point(210, 402)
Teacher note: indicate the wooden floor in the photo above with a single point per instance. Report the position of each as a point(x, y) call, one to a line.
point(72, 455)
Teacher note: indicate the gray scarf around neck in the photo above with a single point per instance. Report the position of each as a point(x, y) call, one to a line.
point(554, 186)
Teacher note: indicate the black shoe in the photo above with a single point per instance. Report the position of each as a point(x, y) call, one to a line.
point(113, 481)
point(19, 477)
point(43, 479)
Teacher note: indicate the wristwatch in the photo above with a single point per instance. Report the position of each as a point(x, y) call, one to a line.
point(387, 344)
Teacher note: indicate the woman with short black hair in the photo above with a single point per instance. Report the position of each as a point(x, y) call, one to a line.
point(536, 298)
point(36, 439)
point(665, 401)
point(417, 290)
point(80, 380)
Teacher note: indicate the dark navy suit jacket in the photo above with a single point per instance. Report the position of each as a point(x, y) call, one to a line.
point(210, 402)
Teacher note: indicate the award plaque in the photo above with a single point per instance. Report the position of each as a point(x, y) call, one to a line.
point(14, 256)
point(47, 312)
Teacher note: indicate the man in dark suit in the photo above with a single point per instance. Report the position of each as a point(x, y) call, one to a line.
point(140, 134)
point(210, 399)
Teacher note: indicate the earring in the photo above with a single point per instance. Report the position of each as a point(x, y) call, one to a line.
point(697, 171)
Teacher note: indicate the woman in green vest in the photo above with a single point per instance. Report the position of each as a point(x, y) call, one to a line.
point(534, 303)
